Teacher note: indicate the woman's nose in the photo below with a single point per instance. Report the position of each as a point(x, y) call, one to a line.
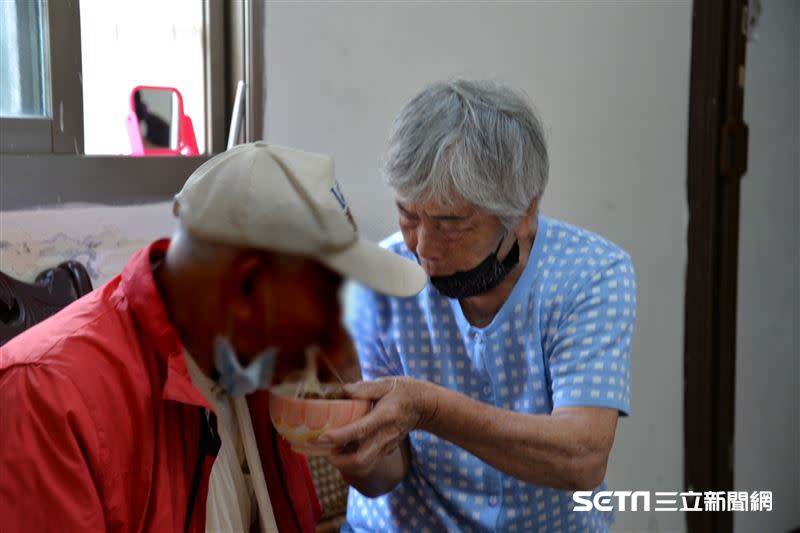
point(429, 247)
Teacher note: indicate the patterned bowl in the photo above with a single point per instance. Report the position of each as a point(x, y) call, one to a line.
point(300, 420)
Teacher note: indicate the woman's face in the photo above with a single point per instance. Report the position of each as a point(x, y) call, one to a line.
point(448, 238)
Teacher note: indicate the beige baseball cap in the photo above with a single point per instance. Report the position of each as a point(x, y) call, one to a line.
point(270, 197)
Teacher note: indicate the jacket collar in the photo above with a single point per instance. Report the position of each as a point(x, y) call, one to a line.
point(147, 306)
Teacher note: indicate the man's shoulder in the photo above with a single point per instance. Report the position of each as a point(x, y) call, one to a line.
point(86, 362)
point(81, 325)
point(89, 340)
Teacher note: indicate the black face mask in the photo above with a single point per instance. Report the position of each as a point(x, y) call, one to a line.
point(483, 278)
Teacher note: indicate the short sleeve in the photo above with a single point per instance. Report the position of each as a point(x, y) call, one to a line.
point(590, 356)
point(366, 315)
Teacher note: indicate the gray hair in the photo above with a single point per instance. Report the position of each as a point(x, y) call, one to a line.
point(478, 139)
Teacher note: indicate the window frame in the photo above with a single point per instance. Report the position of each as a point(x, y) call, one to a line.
point(42, 160)
point(63, 55)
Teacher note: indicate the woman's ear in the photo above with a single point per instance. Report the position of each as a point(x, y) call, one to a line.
point(526, 226)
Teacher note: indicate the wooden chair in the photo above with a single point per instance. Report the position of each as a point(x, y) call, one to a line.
point(23, 305)
point(332, 493)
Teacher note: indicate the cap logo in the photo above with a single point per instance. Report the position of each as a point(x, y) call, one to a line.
point(337, 193)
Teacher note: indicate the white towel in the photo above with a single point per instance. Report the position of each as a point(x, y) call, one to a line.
point(237, 492)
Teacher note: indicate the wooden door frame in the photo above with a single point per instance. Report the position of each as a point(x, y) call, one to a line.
point(717, 159)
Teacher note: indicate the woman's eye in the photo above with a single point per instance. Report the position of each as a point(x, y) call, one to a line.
point(452, 228)
point(408, 217)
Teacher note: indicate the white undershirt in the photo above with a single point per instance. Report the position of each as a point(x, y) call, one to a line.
point(237, 491)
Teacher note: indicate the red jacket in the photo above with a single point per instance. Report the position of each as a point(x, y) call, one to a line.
point(100, 424)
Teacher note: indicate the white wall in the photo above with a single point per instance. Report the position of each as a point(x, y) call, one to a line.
point(102, 238)
point(767, 439)
point(611, 81)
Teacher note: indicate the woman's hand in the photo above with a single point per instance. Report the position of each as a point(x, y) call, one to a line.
point(400, 406)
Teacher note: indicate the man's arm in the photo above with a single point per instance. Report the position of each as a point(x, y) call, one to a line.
point(45, 481)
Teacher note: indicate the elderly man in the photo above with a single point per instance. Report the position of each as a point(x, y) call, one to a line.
point(499, 386)
point(127, 410)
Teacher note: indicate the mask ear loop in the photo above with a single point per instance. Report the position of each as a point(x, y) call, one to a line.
point(505, 243)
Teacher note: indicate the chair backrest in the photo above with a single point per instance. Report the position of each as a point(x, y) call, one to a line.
point(331, 491)
point(23, 305)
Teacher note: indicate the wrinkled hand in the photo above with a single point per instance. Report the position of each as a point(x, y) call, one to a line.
point(401, 405)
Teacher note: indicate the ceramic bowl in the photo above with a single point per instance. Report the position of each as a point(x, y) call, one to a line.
point(301, 420)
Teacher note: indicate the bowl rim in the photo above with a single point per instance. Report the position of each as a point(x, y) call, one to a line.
point(285, 391)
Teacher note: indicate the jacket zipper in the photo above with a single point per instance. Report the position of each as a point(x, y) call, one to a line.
point(209, 444)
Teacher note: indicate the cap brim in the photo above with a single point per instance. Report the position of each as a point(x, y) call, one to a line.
point(377, 268)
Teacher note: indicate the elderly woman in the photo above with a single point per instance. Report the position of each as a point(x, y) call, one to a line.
point(498, 387)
